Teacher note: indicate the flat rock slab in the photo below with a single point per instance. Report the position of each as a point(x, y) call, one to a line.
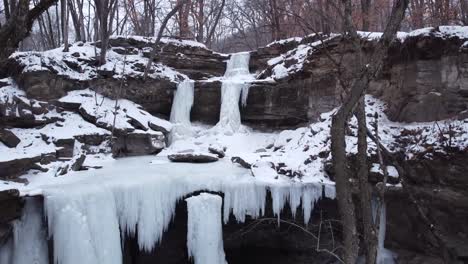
point(8, 138)
point(193, 157)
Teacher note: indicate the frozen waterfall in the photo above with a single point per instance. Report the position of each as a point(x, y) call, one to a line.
point(235, 86)
point(204, 229)
point(88, 216)
point(180, 112)
point(29, 243)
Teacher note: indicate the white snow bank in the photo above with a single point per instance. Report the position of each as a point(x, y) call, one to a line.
point(79, 63)
point(392, 171)
point(442, 31)
point(165, 40)
point(103, 109)
point(31, 146)
point(282, 66)
point(204, 229)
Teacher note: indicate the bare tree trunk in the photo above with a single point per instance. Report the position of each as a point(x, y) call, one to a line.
point(176, 8)
point(200, 20)
point(19, 26)
point(6, 7)
point(209, 38)
point(184, 30)
point(464, 11)
point(365, 10)
point(105, 10)
point(339, 121)
point(64, 15)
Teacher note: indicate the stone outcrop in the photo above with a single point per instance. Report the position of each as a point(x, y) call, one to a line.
point(423, 80)
point(9, 138)
point(439, 186)
point(192, 157)
point(136, 144)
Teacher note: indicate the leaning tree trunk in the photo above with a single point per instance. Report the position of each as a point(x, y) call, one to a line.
point(19, 26)
point(339, 122)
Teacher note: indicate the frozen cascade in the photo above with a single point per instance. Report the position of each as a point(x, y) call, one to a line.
point(29, 236)
point(6, 251)
point(180, 112)
point(204, 229)
point(87, 215)
point(234, 87)
point(84, 226)
point(384, 256)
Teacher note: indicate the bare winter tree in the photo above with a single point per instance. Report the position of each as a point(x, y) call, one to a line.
point(105, 11)
point(18, 24)
point(355, 92)
point(76, 12)
point(177, 7)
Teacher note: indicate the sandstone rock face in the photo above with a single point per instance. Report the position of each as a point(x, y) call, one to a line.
point(426, 80)
point(439, 185)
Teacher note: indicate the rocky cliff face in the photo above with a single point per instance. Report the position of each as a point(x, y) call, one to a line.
point(425, 78)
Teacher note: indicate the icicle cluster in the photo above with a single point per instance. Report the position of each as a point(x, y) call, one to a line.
point(87, 216)
point(204, 229)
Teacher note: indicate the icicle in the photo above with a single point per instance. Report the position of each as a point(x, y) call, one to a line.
point(29, 237)
point(204, 229)
point(244, 198)
point(83, 223)
point(310, 194)
point(295, 193)
point(279, 195)
point(180, 112)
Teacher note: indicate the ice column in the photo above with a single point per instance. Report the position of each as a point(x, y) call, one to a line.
point(181, 107)
point(29, 237)
point(234, 84)
point(84, 225)
point(204, 229)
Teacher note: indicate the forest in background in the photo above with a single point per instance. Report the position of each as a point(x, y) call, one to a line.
point(223, 25)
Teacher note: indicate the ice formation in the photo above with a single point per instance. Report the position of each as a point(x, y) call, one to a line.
point(181, 107)
point(29, 237)
point(204, 229)
point(83, 224)
point(89, 213)
point(234, 87)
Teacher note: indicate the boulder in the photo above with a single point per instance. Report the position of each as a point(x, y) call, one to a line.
point(78, 163)
point(241, 162)
point(9, 138)
point(65, 147)
point(135, 144)
point(217, 150)
point(193, 157)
